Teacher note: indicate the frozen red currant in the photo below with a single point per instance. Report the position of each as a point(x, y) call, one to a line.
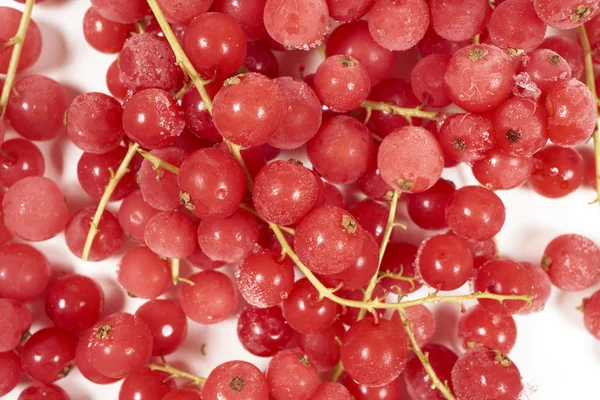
point(120, 344)
point(478, 327)
point(292, 376)
point(374, 354)
point(211, 299)
point(327, 240)
point(572, 262)
point(236, 380)
point(74, 302)
point(483, 373)
point(410, 159)
point(167, 322)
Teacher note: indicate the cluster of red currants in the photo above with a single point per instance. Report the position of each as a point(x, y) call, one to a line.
point(189, 147)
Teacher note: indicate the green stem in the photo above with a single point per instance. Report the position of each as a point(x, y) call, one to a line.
point(17, 43)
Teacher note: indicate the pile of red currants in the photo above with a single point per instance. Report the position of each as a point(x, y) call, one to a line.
point(200, 142)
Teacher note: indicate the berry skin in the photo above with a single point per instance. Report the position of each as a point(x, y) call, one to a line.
point(46, 392)
point(212, 299)
point(474, 91)
point(32, 46)
point(36, 107)
point(16, 320)
point(478, 327)
point(263, 280)
point(374, 354)
point(341, 137)
point(94, 123)
point(342, 83)
point(146, 384)
point(284, 192)
point(475, 213)
point(502, 276)
point(212, 183)
point(305, 312)
point(292, 376)
point(240, 109)
point(328, 240)
point(24, 272)
point(74, 302)
point(236, 380)
point(410, 159)
point(263, 331)
point(48, 355)
point(591, 314)
point(297, 25)
point(153, 118)
point(167, 322)
point(398, 25)
point(445, 262)
point(10, 370)
point(482, 373)
point(572, 262)
point(120, 344)
point(35, 209)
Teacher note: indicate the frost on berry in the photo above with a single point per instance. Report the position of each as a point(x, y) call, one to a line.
point(526, 87)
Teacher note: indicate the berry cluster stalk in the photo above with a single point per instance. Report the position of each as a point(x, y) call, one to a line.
point(408, 113)
point(182, 60)
point(17, 43)
point(591, 83)
point(386, 239)
point(424, 358)
point(177, 373)
point(110, 188)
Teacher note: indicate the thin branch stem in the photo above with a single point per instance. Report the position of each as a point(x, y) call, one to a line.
point(386, 239)
point(177, 373)
point(376, 303)
point(424, 358)
point(407, 113)
point(236, 151)
point(175, 270)
point(398, 277)
point(252, 211)
point(337, 371)
point(182, 59)
point(17, 43)
point(110, 188)
point(591, 83)
point(157, 162)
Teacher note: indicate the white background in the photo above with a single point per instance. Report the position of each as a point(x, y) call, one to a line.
point(557, 357)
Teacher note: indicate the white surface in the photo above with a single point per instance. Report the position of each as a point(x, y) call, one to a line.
point(557, 357)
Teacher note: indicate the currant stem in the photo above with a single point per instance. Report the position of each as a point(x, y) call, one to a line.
point(386, 239)
point(236, 152)
point(110, 188)
point(157, 162)
point(441, 386)
point(337, 371)
point(175, 270)
point(182, 59)
point(252, 211)
point(591, 83)
point(377, 304)
point(17, 43)
point(177, 373)
point(407, 113)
